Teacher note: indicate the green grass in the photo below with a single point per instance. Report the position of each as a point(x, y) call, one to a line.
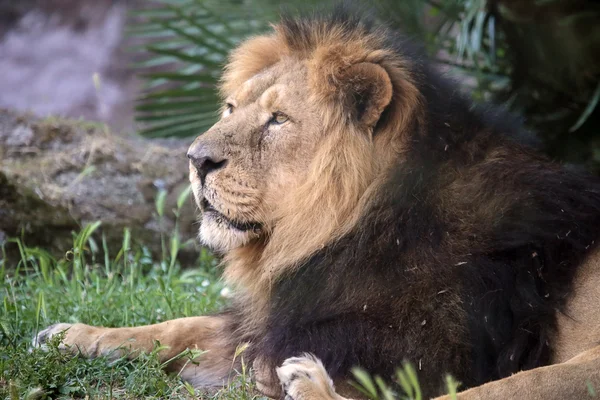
point(90, 286)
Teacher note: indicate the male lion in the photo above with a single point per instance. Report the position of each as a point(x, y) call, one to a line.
point(367, 213)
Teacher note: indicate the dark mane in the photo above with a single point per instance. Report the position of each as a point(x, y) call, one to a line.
point(459, 264)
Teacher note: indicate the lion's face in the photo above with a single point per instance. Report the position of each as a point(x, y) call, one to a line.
point(259, 150)
point(311, 124)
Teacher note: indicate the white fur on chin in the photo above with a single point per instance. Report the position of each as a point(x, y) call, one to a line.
point(220, 237)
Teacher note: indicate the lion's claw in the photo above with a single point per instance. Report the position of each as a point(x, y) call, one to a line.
point(44, 336)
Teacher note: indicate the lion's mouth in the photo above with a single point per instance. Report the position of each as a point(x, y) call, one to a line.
point(207, 208)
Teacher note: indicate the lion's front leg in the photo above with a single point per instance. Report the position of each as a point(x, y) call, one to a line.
point(211, 368)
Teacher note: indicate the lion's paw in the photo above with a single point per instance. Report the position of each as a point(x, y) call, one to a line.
point(82, 340)
point(44, 336)
point(305, 378)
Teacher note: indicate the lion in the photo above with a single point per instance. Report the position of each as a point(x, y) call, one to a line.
point(367, 213)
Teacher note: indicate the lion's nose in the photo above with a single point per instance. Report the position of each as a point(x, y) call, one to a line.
point(205, 160)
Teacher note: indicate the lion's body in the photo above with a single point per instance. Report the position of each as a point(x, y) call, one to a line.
point(578, 323)
point(460, 267)
point(369, 214)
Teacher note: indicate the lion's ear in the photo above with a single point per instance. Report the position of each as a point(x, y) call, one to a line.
point(369, 88)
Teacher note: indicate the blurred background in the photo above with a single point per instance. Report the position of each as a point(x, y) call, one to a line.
point(541, 58)
point(100, 98)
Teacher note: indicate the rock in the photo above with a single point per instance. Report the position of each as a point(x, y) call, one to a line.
point(58, 174)
point(22, 135)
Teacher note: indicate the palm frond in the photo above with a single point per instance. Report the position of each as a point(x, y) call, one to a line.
point(187, 42)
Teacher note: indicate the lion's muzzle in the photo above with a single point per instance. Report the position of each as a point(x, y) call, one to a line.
point(205, 158)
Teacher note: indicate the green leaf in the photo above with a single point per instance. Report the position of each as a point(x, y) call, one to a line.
point(386, 392)
point(174, 105)
point(452, 387)
point(126, 239)
point(590, 388)
point(366, 383)
point(175, 246)
point(190, 389)
point(182, 56)
point(173, 116)
point(588, 110)
point(179, 120)
point(414, 380)
point(160, 202)
point(193, 128)
point(190, 39)
point(224, 40)
point(183, 196)
point(184, 91)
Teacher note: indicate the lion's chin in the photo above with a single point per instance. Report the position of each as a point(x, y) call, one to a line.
point(222, 237)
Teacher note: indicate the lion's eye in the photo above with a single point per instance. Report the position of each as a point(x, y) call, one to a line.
point(278, 118)
point(228, 110)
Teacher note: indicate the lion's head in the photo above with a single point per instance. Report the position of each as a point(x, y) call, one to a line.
point(313, 116)
point(259, 150)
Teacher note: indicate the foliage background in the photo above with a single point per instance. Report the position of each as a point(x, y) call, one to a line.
point(540, 58)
